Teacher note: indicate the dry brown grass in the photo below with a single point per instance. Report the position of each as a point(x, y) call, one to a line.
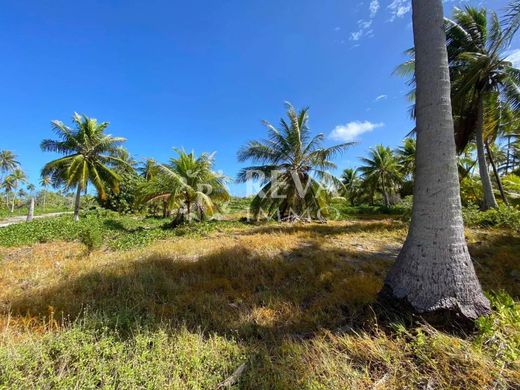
point(294, 297)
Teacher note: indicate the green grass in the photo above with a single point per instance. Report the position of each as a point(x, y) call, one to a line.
point(118, 232)
point(90, 353)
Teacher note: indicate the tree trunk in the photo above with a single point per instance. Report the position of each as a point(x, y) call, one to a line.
point(489, 196)
point(30, 215)
point(13, 202)
point(77, 203)
point(508, 156)
point(44, 198)
point(433, 273)
point(497, 176)
point(385, 193)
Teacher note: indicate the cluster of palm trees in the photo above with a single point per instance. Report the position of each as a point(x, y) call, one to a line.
point(485, 91)
point(12, 177)
point(186, 184)
point(384, 171)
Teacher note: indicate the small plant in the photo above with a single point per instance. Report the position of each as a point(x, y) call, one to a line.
point(92, 238)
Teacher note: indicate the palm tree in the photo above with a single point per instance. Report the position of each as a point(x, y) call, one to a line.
point(8, 161)
point(406, 157)
point(149, 169)
point(482, 79)
point(434, 271)
point(382, 167)
point(45, 182)
point(189, 184)
point(90, 155)
point(292, 168)
point(351, 184)
point(482, 76)
point(12, 182)
point(7, 164)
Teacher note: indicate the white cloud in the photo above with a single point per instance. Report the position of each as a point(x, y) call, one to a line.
point(337, 28)
point(352, 130)
point(381, 97)
point(399, 8)
point(514, 57)
point(373, 7)
point(365, 24)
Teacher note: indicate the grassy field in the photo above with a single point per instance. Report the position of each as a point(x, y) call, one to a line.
point(288, 306)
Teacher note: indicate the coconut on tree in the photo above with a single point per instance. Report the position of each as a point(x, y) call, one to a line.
point(187, 184)
point(292, 166)
point(90, 157)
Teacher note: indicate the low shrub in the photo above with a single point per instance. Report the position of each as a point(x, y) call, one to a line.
point(506, 217)
point(91, 237)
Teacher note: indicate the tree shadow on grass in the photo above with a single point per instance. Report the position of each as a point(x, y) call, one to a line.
point(233, 291)
point(260, 300)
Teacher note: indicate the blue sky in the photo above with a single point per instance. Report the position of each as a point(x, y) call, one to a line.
point(203, 74)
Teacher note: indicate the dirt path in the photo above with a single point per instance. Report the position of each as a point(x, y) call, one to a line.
point(21, 218)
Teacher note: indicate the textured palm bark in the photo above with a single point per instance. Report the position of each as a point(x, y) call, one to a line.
point(497, 176)
point(434, 271)
point(489, 196)
point(77, 203)
point(30, 214)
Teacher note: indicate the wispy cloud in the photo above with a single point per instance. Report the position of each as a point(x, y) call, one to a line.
point(364, 25)
point(399, 8)
point(373, 8)
point(381, 97)
point(352, 130)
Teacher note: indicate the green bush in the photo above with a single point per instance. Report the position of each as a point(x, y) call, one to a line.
point(506, 217)
point(91, 237)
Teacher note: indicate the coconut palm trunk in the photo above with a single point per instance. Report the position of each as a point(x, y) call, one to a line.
point(489, 197)
point(77, 203)
point(30, 214)
point(433, 272)
point(497, 176)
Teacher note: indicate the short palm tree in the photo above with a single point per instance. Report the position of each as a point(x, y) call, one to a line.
point(406, 156)
point(12, 183)
point(383, 168)
point(292, 168)
point(148, 169)
point(90, 156)
point(189, 185)
point(351, 184)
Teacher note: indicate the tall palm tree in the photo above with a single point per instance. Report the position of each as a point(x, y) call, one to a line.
point(8, 161)
point(351, 184)
point(189, 184)
point(406, 156)
point(434, 271)
point(45, 182)
point(382, 167)
point(292, 168)
point(90, 156)
point(482, 76)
